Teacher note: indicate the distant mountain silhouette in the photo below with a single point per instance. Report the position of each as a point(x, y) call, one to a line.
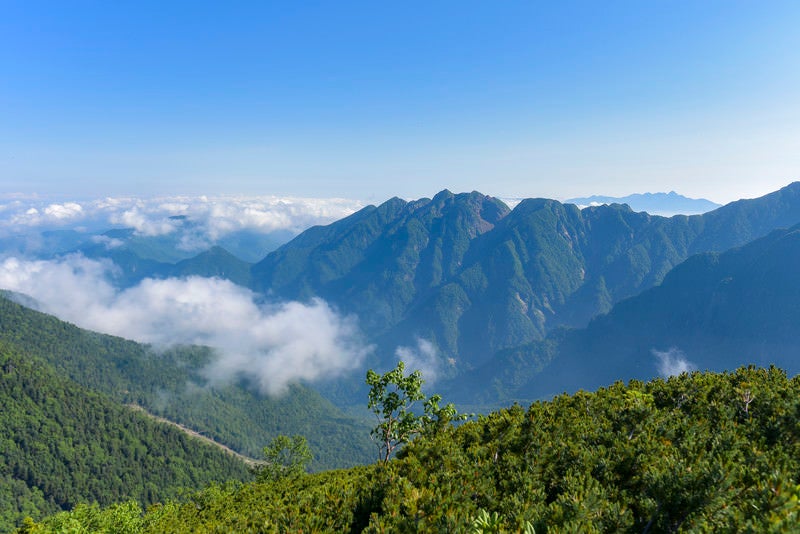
point(133, 268)
point(666, 204)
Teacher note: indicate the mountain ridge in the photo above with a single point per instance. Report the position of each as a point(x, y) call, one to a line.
point(436, 269)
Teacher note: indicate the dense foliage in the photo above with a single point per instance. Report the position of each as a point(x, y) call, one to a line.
point(392, 396)
point(699, 452)
point(61, 444)
point(171, 384)
point(284, 457)
point(486, 285)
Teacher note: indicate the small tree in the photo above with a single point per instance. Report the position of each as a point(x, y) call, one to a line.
point(284, 457)
point(391, 397)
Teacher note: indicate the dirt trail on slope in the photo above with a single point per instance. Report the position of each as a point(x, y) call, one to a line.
point(193, 433)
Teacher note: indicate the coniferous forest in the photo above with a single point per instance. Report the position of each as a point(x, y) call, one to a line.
point(170, 384)
point(696, 452)
point(63, 444)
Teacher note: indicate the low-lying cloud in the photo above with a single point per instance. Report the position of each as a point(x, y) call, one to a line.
point(422, 357)
point(672, 362)
point(210, 218)
point(271, 345)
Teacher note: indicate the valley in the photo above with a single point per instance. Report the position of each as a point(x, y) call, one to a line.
point(382, 267)
point(496, 305)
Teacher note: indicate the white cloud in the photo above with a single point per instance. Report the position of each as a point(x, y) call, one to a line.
point(289, 342)
point(423, 357)
point(272, 345)
point(672, 362)
point(144, 223)
point(68, 210)
point(108, 242)
point(23, 214)
point(511, 202)
point(68, 288)
point(207, 219)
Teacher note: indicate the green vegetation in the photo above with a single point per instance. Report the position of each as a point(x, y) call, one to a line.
point(700, 452)
point(61, 444)
point(489, 288)
point(171, 384)
point(391, 397)
point(284, 457)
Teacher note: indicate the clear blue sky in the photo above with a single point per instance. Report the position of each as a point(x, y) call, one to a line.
point(374, 99)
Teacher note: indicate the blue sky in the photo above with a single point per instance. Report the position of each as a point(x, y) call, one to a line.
point(375, 99)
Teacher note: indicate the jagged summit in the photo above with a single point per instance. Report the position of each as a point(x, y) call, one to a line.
point(473, 277)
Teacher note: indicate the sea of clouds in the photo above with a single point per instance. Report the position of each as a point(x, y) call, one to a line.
point(212, 217)
point(271, 344)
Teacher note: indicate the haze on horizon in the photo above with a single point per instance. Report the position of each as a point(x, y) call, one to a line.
point(368, 101)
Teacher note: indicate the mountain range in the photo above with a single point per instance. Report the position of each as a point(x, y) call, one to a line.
point(666, 204)
point(506, 305)
point(463, 273)
point(475, 278)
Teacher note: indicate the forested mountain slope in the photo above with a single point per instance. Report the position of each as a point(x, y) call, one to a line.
point(695, 453)
point(714, 311)
point(61, 444)
point(475, 278)
point(171, 384)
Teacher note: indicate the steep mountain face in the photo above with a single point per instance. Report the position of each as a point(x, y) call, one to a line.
point(381, 261)
point(745, 220)
point(714, 311)
point(474, 278)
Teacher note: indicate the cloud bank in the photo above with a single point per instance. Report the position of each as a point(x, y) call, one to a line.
point(672, 362)
point(422, 357)
point(271, 345)
point(211, 218)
